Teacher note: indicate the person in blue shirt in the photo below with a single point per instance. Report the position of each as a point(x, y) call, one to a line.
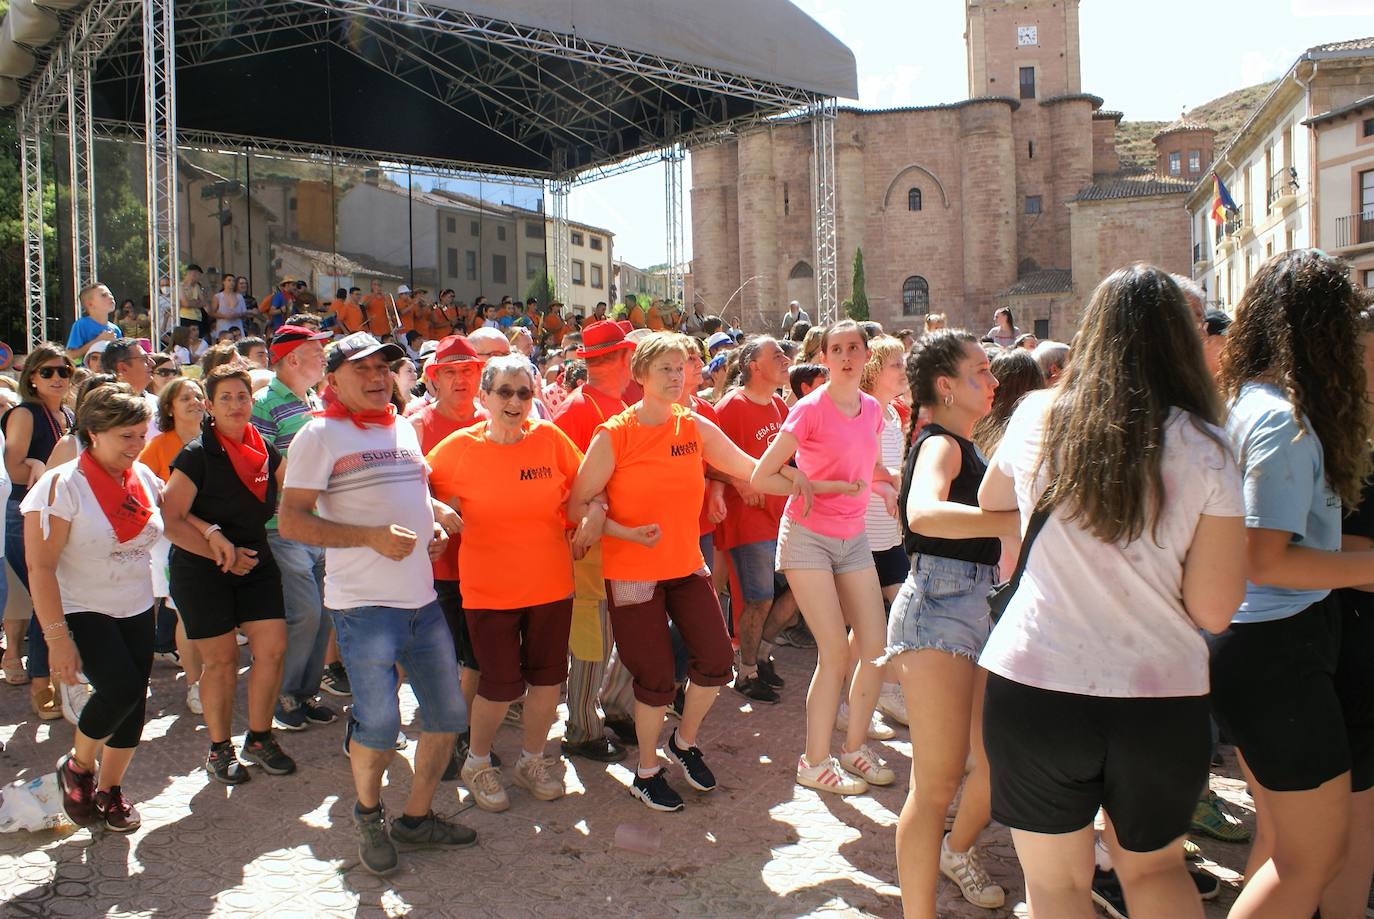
point(1293, 372)
point(95, 326)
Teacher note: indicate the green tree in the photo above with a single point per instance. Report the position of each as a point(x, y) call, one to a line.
point(121, 223)
point(541, 289)
point(857, 305)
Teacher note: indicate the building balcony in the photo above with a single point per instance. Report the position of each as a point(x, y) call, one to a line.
point(1283, 188)
point(1355, 230)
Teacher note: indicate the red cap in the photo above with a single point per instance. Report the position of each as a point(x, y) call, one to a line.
point(453, 348)
point(290, 337)
point(603, 338)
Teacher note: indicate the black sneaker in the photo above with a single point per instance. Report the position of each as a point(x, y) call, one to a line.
point(798, 636)
point(456, 759)
point(1207, 884)
point(352, 725)
point(598, 750)
point(656, 793)
point(335, 680)
point(753, 687)
point(224, 766)
point(768, 672)
point(268, 754)
point(693, 765)
point(375, 849)
point(290, 714)
point(316, 712)
point(433, 831)
point(1107, 893)
point(624, 731)
point(678, 704)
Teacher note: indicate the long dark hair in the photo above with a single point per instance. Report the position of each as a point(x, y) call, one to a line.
point(1298, 327)
point(1017, 373)
point(1137, 356)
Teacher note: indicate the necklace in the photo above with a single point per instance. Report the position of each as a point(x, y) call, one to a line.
point(58, 430)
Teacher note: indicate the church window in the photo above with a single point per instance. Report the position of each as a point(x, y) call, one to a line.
point(1032, 204)
point(1030, 149)
point(786, 200)
point(913, 199)
point(915, 296)
point(1194, 160)
point(1175, 163)
point(1027, 82)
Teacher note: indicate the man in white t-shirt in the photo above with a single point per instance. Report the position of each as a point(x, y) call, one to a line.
point(126, 359)
point(357, 485)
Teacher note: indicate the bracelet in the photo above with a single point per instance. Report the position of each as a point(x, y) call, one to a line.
point(49, 631)
point(212, 528)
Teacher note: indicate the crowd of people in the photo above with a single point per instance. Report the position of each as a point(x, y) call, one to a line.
point(1067, 569)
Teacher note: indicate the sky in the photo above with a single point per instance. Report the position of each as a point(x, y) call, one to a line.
point(1151, 66)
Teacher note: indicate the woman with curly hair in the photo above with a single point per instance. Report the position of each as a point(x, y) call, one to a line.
point(1292, 370)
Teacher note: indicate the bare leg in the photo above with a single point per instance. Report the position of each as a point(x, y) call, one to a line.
point(1346, 896)
point(114, 762)
point(369, 766)
point(1156, 884)
point(484, 718)
point(468, 680)
point(975, 807)
point(749, 629)
point(698, 702)
point(1059, 873)
point(218, 678)
point(431, 758)
point(862, 603)
point(648, 727)
point(191, 664)
point(825, 619)
point(267, 644)
point(541, 708)
point(940, 686)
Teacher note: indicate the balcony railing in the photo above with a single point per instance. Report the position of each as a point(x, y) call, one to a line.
point(1355, 230)
point(1197, 252)
point(1283, 186)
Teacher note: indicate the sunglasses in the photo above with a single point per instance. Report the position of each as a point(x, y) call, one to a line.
point(47, 372)
point(524, 393)
point(167, 372)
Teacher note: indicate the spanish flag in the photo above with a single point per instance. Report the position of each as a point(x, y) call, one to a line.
point(1221, 202)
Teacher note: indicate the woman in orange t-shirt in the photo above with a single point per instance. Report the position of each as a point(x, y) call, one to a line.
point(180, 409)
point(518, 619)
point(650, 461)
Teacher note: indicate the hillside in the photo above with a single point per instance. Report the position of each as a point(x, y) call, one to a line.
point(1226, 114)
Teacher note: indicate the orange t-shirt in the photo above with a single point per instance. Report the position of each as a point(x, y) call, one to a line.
point(440, 320)
point(556, 328)
point(349, 316)
point(377, 322)
point(660, 477)
point(655, 320)
point(403, 304)
point(159, 452)
point(636, 317)
point(523, 489)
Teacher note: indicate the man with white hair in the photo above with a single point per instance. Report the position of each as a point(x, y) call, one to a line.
point(794, 315)
point(1051, 356)
point(1194, 295)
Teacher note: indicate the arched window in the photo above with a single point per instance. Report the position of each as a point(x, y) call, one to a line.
point(801, 270)
point(913, 199)
point(915, 296)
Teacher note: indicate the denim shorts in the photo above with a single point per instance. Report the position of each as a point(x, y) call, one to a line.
point(372, 641)
point(800, 547)
point(754, 567)
point(942, 605)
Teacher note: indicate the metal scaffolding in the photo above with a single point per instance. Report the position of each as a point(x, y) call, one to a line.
point(35, 284)
point(160, 156)
point(823, 171)
point(672, 200)
point(559, 188)
point(81, 169)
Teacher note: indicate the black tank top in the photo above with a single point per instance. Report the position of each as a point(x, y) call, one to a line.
point(44, 439)
point(985, 550)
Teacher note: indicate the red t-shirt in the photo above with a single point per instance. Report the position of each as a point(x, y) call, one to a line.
point(432, 426)
point(581, 412)
point(707, 411)
point(752, 427)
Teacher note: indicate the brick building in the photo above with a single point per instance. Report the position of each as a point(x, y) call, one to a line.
point(1014, 196)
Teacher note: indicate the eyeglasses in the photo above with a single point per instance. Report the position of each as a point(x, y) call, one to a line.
point(524, 393)
point(47, 372)
point(167, 372)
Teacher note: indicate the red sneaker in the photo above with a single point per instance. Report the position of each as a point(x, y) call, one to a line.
point(78, 792)
point(117, 811)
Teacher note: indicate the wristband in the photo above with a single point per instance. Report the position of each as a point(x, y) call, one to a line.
point(212, 528)
point(57, 627)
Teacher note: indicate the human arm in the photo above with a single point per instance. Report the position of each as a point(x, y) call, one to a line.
point(715, 500)
point(929, 511)
point(592, 477)
point(64, 451)
point(178, 526)
point(296, 519)
point(18, 434)
point(1214, 572)
point(646, 535)
point(42, 554)
point(722, 452)
point(1273, 560)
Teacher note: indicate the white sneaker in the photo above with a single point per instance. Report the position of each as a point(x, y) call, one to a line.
point(893, 705)
point(878, 729)
point(74, 698)
point(964, 869)
point(193, 699)
point(485, 784)
point(864, 763)
point(829, 776)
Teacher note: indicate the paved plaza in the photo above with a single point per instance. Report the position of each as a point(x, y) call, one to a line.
point(283, 847)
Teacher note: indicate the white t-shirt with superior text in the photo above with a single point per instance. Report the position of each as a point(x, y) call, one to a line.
point(1108, 620)
point(368, 477)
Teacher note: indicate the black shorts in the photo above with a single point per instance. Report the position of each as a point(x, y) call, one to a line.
point(893, 566)
point(1274, 693)
point(1055, 757)
point(1355, 683)
point(451, 602)
point(212, 603)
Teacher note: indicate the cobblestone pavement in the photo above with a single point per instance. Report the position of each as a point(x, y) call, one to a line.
point(759, 846)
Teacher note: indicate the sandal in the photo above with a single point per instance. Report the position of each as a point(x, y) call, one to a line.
point(15, 674)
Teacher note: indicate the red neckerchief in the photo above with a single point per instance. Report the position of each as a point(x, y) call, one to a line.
point(249, 460)
point(124, 501)
point(333, 408)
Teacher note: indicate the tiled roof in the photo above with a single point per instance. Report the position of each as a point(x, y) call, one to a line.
point(1343, 110)
point(1044, 281)
point(1354, 44)
point(1182, 124)
point(1106, 114)
point(1132, 187)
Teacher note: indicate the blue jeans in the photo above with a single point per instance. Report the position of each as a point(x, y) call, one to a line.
point(943, 605)
point(307, 628)
point(14, 553)
point(372, 641)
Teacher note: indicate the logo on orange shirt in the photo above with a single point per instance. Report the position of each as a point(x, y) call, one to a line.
point(536, 472)
point(686, 449)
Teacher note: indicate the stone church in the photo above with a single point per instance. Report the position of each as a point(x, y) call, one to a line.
point(1013, 197)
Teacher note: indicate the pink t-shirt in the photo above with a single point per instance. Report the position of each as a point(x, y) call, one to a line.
point(833, 446)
